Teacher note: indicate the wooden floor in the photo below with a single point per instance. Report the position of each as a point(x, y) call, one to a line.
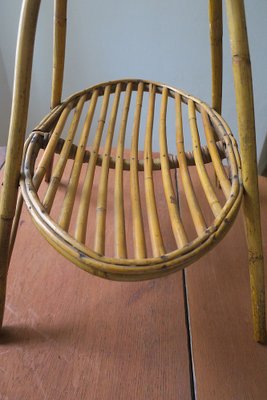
point(71, 335)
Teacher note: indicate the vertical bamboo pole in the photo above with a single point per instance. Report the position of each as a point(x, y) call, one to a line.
point(216, 32)
point(19, 113)
point(246, 127)
point(59, 44)
point(60, 28)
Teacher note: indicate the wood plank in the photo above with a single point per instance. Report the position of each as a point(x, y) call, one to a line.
point(228, 364)
point(69, 335)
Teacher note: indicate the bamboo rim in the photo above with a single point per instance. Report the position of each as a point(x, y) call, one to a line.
point(126, 268)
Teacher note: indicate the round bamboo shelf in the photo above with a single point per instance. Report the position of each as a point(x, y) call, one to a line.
point(91, 131)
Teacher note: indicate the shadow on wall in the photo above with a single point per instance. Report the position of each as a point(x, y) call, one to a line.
point(5, 103)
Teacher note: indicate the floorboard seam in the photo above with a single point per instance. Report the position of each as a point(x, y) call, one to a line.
point(189, 340)
point(187, 314)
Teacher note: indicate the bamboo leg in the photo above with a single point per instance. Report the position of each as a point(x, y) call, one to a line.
point(5, 230)
point(15, 225)
point(216, 33)
point(59, 44)
point(246, 126)
point(19, 112)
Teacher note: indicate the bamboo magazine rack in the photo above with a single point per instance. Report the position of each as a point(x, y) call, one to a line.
point(116, 107)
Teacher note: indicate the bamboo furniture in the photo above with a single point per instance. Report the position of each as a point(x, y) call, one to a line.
point(109, 113)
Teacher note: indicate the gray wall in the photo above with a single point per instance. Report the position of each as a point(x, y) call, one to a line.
point(166, 41)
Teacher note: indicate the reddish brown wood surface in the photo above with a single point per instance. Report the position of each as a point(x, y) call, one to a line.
point(70, 335)
point(228, 363)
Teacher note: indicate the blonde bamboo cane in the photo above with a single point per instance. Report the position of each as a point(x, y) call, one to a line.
point(119, 217)
point(66, 211)
point(133, 269)
point(176, 222)
point(101, 207)
point(138, 226)
point(19, 113)
point(246, 127)
point(60, 27)
point(15, 225)
point(59, 44)
point(194, 207)
point(224, 132)
point(152, 214)
point(216, 159)
point(81, 223)
point(216, 32)
point(50, 149)
point(202, 173)
point(63, 158)
point(18, 210)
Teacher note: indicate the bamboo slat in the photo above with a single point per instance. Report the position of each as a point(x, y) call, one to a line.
point(119, 215)
point(80, 231)
point(177, 226)
point(138, 227)
point(64, 154)
point(59, 44)
point(50, 149)
point(101, 207)
point(202, 173)
point(194, 207)
point(60, 27)
point(216, 160)
point(67, 207)
point(152, 214)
